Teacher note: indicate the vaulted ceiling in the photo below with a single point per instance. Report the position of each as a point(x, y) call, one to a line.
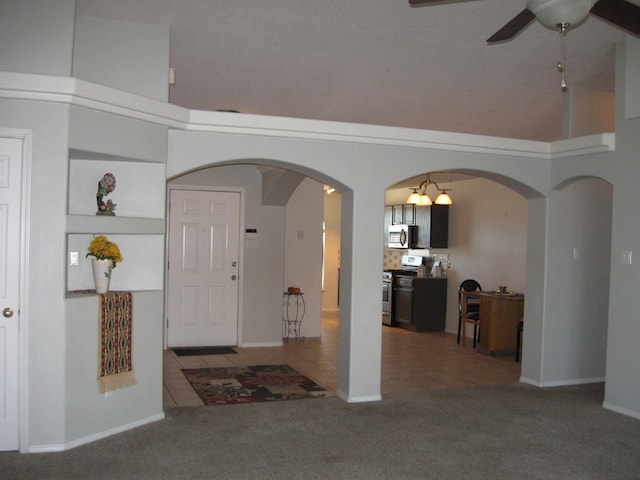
point(374, 61)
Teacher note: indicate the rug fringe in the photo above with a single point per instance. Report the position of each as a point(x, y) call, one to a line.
point(116, 382)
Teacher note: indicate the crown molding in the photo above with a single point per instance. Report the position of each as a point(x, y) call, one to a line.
point(77, 92)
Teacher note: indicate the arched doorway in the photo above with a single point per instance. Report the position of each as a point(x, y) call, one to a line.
point(488, 225)
point(281, 237)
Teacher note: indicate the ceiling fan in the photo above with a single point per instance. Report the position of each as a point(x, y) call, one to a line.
point(564, 14)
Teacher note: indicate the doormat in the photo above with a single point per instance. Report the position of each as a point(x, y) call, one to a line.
point(186, 351)
point(260, 383)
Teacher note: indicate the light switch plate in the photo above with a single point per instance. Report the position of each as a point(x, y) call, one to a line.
point(626, 257)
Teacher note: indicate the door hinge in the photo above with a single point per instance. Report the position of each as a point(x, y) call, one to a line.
point(167, 322)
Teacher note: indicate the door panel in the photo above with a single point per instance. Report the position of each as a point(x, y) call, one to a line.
point(10, 218)
point(202, 292)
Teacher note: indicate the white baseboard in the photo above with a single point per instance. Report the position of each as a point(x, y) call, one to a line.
point(530, 381)
point(260, 344)
point(622, 410)
point(362, 399)
point(56, 447)
point(112, 431)
point(561, 383)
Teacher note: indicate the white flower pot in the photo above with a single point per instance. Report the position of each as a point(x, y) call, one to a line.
point(101, 274)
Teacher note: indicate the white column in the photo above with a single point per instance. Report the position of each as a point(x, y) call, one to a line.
point(359, 355)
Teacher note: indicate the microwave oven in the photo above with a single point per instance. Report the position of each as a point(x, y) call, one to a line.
point(402, 236)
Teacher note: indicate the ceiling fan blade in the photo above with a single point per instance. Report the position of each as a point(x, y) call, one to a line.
point(625, 15)
point(417, 3)
point(513, 27)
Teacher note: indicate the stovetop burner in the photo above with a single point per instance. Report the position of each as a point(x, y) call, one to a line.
point(400, 271)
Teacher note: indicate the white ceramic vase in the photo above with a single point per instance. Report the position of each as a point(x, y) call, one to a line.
point(101, 274)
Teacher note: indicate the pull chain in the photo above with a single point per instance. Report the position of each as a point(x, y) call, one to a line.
point(563, 28)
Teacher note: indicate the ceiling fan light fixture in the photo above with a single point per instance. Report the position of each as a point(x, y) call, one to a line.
point(552, 13)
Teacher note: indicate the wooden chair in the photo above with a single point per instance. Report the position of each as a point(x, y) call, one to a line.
point(470, 311)
point(519, 338)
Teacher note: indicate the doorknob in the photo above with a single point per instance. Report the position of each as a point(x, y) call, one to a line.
point(7, 312)
point(233, 277)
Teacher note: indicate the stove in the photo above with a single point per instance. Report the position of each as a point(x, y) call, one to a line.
point(411, 264)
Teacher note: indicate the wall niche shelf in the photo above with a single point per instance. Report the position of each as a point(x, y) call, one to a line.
point(77, 154)
point(139, 192)
point(142, 267)
point(117, 225)
point(92, 293)
point(135, 152)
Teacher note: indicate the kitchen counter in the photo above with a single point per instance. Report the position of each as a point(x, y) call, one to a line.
point(421, 303)
point(499, 317)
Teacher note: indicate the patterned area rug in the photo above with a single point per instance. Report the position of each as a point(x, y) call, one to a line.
point(261, 383)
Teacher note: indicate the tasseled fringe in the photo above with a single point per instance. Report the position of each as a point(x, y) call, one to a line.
point(116, 382)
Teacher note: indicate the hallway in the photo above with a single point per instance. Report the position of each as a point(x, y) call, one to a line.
point(410, 362)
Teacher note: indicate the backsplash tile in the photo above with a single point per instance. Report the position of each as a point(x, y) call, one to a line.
point(393, 258)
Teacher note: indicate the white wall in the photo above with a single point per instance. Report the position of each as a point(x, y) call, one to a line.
point(89, 413)
point(133, 57)
point(578, 265)
point(64, 401)
point(36, 36)
point(303, 250)
point(45, 303)
point(588, 111)
point(331, 152)
point(332, 212)
point(623, 369)
point(628, 63)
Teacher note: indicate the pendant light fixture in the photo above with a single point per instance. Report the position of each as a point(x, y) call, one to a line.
point(419, 195)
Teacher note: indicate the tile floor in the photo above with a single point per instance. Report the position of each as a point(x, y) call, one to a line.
point(410, 361)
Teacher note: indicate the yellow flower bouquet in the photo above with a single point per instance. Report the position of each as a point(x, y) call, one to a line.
point(102, 249)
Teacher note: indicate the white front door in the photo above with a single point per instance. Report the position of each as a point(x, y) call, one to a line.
point(202, 287)
point(10, 222)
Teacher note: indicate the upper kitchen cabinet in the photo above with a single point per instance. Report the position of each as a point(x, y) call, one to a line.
point(388, 220)
point(433, 226)
point(404, 214)
point(432, 222)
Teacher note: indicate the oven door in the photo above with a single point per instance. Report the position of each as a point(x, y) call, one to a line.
point(387, 301)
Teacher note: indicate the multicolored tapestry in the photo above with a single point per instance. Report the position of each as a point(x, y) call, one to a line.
point(116, 364)
point(260, 383)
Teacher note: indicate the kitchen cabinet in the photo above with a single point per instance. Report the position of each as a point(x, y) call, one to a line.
point(388, 220)
point(403, 214)
point(432, 222)
point(433, 226)
point(421, 303)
